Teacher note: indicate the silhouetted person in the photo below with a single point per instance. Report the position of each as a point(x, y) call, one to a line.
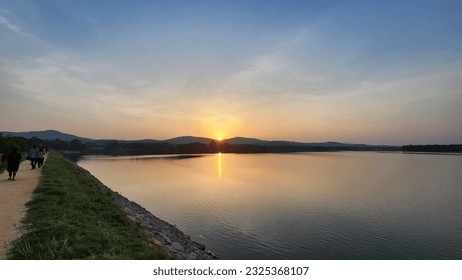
point(12, 161)
point(41, 157)
point(33, 156)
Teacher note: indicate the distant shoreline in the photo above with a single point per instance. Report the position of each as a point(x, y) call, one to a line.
point(59, 141)
point(444, 149)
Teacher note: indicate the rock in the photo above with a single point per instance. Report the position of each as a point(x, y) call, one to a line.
point(191, 256)
point(177, 246)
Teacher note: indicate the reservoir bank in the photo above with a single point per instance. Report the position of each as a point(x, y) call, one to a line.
point(72, 215)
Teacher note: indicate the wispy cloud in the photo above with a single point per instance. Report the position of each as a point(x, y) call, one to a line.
point(6, 23)
point(12, 26)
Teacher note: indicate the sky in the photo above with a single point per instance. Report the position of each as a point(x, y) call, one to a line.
point(373, 72)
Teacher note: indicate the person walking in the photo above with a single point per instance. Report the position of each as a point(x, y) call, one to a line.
point(41, 157)
point(33, 156)
point(12, 160)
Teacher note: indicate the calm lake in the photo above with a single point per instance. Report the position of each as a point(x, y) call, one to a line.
point(331, 205)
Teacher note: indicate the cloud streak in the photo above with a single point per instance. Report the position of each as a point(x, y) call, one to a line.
point(5, 22)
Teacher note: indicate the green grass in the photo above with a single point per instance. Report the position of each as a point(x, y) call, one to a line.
point(70, 217)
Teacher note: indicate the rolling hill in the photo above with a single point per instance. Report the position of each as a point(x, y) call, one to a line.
point(54, 134)
point(46, 135)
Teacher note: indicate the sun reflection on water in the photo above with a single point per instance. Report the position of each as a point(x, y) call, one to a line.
point(219, 165)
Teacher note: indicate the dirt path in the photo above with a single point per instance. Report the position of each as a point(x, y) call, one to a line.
point(13, 197)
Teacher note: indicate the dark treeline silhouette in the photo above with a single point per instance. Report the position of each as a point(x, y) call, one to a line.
point(7, 143)
point(146, 147)
point(433, 148)
point(120, 147)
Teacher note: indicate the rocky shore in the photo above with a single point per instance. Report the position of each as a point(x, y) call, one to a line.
point(158, 231)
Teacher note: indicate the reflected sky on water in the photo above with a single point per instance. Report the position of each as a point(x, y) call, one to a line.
point(342, 205)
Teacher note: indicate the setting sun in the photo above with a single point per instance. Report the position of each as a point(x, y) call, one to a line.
point(220, 126)
point(219, 136)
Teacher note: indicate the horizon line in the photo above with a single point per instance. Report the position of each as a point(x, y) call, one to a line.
point(219, 140)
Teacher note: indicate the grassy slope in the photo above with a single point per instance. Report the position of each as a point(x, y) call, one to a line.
point(69, 217)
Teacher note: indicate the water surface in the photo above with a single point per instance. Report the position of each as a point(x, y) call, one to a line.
point(342, 205)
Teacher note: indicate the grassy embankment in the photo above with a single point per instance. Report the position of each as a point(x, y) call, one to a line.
point(70, 217)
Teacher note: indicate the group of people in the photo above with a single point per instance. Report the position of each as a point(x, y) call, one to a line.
point(13, 159)
point(36, 156)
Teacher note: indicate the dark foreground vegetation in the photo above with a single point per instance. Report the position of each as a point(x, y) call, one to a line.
point(70, 217)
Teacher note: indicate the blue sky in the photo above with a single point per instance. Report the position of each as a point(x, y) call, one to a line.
point(376, 72)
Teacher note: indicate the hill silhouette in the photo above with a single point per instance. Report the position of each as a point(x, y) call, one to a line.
point(183, 144)
point(46, 135)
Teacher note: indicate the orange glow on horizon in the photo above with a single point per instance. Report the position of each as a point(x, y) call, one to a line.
point(218, 124)
point(219, 137)
point(219, 132)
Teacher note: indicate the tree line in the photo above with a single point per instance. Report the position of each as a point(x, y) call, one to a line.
point(120, 147)
point(433, 148)
point(8, 142)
